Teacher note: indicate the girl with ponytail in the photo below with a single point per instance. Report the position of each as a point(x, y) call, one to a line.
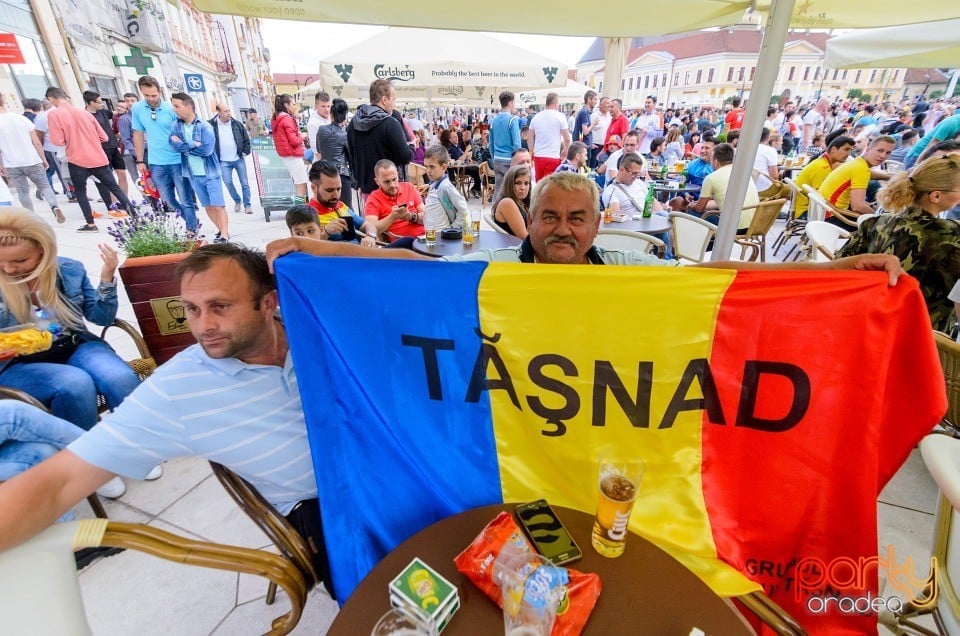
point(928, 247)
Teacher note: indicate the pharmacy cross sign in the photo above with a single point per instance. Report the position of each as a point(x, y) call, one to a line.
point(136, 60)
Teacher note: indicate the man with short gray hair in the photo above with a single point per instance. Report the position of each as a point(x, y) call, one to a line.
point(233, 144)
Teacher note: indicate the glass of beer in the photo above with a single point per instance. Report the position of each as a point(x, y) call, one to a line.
point(618, 483)
point(405, 621)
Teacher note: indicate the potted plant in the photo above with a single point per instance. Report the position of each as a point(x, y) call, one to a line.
point(154, 243)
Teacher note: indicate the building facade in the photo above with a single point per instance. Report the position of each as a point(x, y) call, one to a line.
point(711, 67)
point(106, 45)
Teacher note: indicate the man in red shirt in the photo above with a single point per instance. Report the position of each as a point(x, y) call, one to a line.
point(619, 124)
point(734, 119)
point(395, 207)
point(76, 129)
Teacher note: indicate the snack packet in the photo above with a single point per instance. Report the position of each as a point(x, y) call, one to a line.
point(502, 541)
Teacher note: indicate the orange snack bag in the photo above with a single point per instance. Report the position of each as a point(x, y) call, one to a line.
point(503, 533)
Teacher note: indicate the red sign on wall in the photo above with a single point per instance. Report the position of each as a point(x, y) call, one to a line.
point(10, 52)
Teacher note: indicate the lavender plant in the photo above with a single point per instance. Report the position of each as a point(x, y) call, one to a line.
point(151, 233)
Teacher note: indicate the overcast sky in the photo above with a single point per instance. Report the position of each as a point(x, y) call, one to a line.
point(299, 46)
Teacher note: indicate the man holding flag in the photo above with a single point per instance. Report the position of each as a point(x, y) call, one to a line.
point(564, 221)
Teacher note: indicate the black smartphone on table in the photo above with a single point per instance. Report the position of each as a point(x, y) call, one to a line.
point(549, 537)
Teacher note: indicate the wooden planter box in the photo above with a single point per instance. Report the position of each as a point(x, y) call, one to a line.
point(155, 295)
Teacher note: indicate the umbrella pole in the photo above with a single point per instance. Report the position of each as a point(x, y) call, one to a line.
point(768, 65)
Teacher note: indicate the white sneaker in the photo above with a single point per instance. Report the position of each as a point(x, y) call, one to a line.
point(156, 473)
point(112, 489)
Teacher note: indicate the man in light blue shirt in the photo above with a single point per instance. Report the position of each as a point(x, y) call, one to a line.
point(152, 120)
point(504, 139)
point(232, 398)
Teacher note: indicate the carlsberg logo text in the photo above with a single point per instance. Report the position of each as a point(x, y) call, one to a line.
point(382, 71)
point(619, 529)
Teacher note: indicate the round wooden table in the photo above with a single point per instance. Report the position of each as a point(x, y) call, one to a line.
point(645, 591)
point(488, 240)
point(655, 224)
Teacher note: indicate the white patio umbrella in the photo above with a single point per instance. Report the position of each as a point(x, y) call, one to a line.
point(928, 45)
point(467, 68)
point(571, 93)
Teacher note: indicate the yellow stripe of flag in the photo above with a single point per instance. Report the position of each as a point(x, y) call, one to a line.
point(546, 362)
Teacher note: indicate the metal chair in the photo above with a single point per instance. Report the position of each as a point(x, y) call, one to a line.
point(627, 240)
point(824, 240)
point(42, 593)
point(691, 236)
point(764, 216)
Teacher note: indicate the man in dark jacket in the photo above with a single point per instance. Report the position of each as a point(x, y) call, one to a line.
point(374, 135)
point(111, 147)
point(233, 144)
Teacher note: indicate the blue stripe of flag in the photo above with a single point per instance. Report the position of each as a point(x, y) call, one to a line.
point(393, 451)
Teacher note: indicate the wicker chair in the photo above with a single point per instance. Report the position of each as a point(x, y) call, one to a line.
point(764, 216)
point(949, 351)
point(42, 593)
point(486, 184)
point(292, 546)
point(416, 174)
point(794, 227)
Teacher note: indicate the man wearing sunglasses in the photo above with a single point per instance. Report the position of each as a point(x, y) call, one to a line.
point(152, 119)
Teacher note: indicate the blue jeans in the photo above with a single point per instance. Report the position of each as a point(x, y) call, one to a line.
point(29, 435)
point(70, 390)
point(227, 168)
point(176, 191)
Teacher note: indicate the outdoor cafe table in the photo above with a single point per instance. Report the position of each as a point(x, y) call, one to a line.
point(645, 591)
point(664, 191)
point(655, 224)
point(487, 240)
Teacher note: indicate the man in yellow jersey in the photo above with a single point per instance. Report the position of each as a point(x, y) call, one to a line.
point(846, 187)
point(817, 170)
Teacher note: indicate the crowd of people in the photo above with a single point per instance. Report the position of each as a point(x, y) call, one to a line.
point(218, 398)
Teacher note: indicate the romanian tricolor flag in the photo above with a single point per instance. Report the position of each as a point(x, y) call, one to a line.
point(770, 408)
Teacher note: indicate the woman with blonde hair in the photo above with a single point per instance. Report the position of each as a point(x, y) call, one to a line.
point(510, 208)
point(55, 294)
point(928, 247)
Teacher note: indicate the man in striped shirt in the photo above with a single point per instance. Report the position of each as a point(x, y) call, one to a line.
point(231, 398)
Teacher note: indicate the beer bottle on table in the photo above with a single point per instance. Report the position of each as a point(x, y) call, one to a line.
point(648, 203)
